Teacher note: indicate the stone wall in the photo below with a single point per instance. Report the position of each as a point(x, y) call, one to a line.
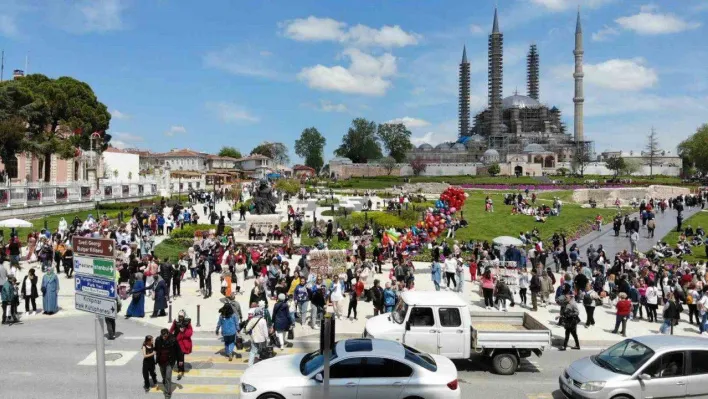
point(427, 188)
point(345, 171)
point(608, 196)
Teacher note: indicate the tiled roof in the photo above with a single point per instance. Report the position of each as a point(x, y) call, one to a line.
point(181, 153)
point(303, 167)
point(116, 150)
point(251, 157)
point(220, 158)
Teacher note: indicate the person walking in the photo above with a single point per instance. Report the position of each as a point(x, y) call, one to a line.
point(136, 308)
point(389, 298)
point(670, 314)
point(624, 309)
point(29, 291)
point(378, 298)
point(535, 288)
point(182, 330)
point(450, 269)
point(281, 319)
point(336, 296)
point(148, 350)
point(167, 351)
point(460, 275)
point(354, 294)
point(229, 325)
point(570, 319)
point(160, 303)
point(257, 328)
point(302, 298)
point(50, 292)
point(652, 301)
point(488, 289)
point(9, 298)
point(436, 274)
point(590, 300)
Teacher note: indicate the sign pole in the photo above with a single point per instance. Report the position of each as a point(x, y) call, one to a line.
point(327, 356)
point(100, 359)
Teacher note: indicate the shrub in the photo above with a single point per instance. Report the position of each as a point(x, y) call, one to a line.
point(188, 231)
point(172, 247)
point(289, 186)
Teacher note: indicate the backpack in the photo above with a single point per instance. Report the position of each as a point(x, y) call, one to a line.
point(587, 300)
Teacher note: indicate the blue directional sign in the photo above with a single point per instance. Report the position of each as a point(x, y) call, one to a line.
point(96, 286)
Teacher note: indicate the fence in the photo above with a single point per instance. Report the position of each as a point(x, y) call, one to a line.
point(41, 194)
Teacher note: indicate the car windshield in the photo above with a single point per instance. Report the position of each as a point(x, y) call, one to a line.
point(313, 361)
point(399, 313)
point(421, 359)
point(625, 357)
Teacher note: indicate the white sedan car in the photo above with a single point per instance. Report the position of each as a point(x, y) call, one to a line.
point(360, 368)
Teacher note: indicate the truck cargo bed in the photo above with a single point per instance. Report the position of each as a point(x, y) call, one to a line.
point(508, 330)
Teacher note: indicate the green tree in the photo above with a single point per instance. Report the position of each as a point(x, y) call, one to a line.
point(290, 186)
point(396, 138)
point(360, 144)
point(694, 150)
point(12, 139)
point(616, 164)
point(275, 151)
point(653, 152)
point(231, 152)
point(310, 146)
point(494, 169)
point(580, 160)
point(632, 166)
point(389, 164)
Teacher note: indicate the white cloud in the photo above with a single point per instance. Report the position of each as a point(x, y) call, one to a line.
point(230, 113)
point(314, 29)
point(366, 74)
point(8, 26)
point(563, 5)
point(115, 114)
point(615, 74)
point(650, 22)
point(265, 53)
point(175, 130)
point(439, 133)
point(410, 122)
point(240, 60)
point(328, 106)
point(119, 144)
point(604, 34)
point(101, 15)
point(476, 29)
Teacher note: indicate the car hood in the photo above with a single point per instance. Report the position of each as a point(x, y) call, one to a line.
point(585, 370)
point(381, 326)
point(287, 367)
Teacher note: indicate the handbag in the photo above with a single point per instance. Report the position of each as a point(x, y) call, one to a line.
point(239, 343)
point(291, 334)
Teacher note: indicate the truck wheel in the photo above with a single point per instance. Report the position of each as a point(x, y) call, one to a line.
point(505, 364)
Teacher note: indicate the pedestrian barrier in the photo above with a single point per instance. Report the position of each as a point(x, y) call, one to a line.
point(169, 314)
point(199, 308)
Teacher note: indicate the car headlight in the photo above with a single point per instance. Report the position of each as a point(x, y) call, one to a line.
point(592, 386)
point(247, 388)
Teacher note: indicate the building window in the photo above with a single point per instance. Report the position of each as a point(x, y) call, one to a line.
point(11, 168)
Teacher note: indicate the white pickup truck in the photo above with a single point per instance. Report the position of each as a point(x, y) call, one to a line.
point(441, 323)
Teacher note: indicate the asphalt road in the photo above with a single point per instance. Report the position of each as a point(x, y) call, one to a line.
point(52, 358)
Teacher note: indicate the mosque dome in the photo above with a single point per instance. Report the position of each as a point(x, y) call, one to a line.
point(534, 148)
point(459, 147)
point(490, 156)
point(519, 101)
point(476, 138)
point(341, 160)
point(425, 147)
point(443, 147)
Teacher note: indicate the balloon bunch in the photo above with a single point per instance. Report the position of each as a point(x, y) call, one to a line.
point(437, 220)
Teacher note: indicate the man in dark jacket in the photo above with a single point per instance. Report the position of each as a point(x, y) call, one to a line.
point(378, 295)
point(318, 305)
point(329, 231)
point(167, 351)
point(535, 288)
point(281, 320)
point(166, 273)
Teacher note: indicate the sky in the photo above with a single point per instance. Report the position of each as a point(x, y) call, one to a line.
point(202, 75)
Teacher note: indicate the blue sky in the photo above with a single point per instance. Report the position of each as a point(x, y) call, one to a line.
point(206, 74)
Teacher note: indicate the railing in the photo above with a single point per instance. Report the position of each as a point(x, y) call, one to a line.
point(46, 193)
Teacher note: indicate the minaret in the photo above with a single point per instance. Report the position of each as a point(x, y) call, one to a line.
point(532, 73)
point(496, 76)
point(578, 99)
point(464, 117)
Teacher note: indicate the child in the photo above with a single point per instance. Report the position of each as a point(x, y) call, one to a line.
point(148, 350)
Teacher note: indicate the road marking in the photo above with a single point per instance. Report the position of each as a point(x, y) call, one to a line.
point(113, 358)
point(214, 373)
point(216, 359)
point(220, 349)
point(539, 395)
point(200, 389)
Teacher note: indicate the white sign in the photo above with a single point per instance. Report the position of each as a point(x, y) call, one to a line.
point(93, 304)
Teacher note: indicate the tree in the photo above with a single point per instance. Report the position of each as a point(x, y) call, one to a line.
point(231, 152)
point(289, 186)
point(12, 139)
point(275, 151)
point(616, 164)
point(563, 171)
point(632, 166)
point(493, 169)
point(310, 146)
point(580, 160)
point(418, 165)
point(396, 138)
point(360, 144)
point(694, 150)
point(653, 152)
point(389, 164)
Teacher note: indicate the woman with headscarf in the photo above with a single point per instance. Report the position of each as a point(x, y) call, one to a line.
point(160, 298)
point(50, 292)
point(137, 301)
point(182, 329)
point(228, 324)
point(257, 328)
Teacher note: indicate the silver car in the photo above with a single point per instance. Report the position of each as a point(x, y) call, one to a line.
point(655, 366)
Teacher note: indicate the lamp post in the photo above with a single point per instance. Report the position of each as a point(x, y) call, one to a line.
point(168, 168)
point(179, 186)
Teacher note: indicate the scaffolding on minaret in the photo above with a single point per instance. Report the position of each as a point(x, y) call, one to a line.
point(532, 72)
point(496, 75)
point(464, 101)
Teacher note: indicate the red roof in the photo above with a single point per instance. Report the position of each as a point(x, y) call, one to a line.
point(220, 158)
point(251, 157)
point(116, 150)
point(303, 167)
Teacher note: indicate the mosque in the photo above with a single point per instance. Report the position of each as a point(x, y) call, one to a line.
point(520, 133)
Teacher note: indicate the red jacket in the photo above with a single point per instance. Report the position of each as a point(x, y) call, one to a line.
point(624, 307)
point(184, 339)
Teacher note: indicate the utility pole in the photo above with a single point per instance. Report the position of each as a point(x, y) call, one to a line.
point(2, 66)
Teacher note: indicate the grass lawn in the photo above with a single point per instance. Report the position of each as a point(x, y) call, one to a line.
point(699, 253)
point(53, 220)
point(172, 247)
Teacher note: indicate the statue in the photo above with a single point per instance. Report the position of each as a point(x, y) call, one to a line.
point(263, 199)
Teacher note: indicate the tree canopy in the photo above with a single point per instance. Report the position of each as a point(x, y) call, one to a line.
point(389, 164)
point(616, 164)
point(54, 115)
point(396, 138)
point(694, 150)
point(494, 169)
point(310, 146)
point(360, 144)
point(652, 151)
point(276, 151)
point(232, 152)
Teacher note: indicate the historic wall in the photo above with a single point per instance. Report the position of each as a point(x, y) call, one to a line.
point(344, 171)
point(608, 196)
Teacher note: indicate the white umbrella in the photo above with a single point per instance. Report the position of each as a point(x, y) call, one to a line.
point(507, 241)
point(15, 223)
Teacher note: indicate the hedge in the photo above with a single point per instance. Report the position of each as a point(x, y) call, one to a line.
point(188, 230)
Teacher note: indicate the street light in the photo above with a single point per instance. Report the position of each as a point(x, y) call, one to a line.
point(179, 186)
point(168, 168)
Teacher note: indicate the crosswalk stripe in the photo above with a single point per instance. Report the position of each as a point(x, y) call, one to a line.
point(539, 396)
point(214, 373)
point(217, 359)
point(220, 349)
point(233, 389)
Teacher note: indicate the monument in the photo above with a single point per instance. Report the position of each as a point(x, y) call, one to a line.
point(263, 199)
